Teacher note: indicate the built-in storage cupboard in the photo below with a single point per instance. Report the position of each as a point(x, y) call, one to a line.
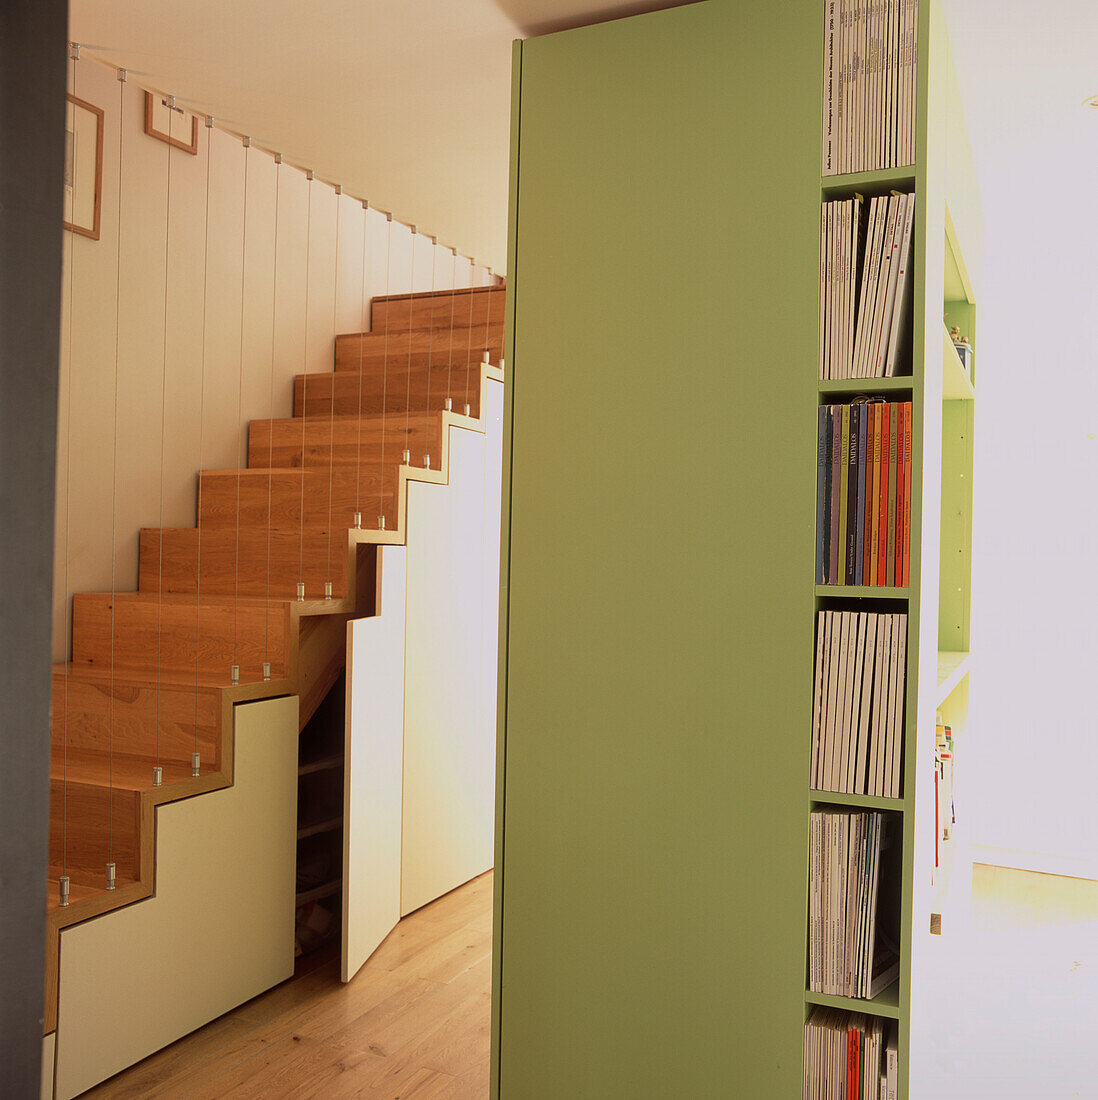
point(666, 800)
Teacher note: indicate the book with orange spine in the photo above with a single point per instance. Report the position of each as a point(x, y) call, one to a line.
point(893, 453)
point(882, 500)
point(898, 549)
point(878, 417)
point(907, 497)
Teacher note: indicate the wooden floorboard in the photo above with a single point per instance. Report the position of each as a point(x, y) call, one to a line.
point(413, 1024)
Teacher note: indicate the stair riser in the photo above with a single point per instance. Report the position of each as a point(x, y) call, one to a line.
point(253, 565)
point(93, 716)
point(260, 500)
point(90, 825)
point(180, 637)
point(476, 307)
point(321, 396)
point(278, 443)
point(399, 351)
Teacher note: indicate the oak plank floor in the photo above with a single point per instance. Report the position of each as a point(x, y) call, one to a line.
point(412, 1025)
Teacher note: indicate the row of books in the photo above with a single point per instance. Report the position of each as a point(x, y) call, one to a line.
point(850, 1056)
point(945, 811)
point(849, 954)
point(863, 493)
point(870, 56)
point(865, 286)
point(858, 712)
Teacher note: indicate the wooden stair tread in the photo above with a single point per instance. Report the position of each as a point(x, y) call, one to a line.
point(121, 771)
point(180, 599)
point(124, 677)
point(83, 885)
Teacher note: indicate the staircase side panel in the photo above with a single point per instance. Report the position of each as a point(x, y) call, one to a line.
point(219, 930)
point(372, 768)
point(449, 731)
point(49, 1043)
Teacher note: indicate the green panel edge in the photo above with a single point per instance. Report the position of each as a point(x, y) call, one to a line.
point(505, 569)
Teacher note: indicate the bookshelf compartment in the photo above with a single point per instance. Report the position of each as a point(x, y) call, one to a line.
point(850, 1054)
point(867, 281)
point(863, 492)
point(859, 702)
point(855, 867)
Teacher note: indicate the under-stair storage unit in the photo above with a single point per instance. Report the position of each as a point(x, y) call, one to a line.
point(320, 815)
point(660, 808)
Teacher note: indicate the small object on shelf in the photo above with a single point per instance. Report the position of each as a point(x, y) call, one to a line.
point(963, 349)
point(313, 928)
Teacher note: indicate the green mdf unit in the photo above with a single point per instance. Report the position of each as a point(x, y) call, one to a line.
point(658, 593)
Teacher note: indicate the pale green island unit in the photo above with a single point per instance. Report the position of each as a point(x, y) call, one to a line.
point(659, 601)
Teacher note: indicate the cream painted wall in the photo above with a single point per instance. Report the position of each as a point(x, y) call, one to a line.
point(212, 325)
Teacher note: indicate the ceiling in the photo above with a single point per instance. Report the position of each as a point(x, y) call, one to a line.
point(405, 102)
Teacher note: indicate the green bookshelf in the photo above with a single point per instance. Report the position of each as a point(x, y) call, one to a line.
point(658, 597)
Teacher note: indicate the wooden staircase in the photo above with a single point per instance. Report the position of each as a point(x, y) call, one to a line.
point(149, 682)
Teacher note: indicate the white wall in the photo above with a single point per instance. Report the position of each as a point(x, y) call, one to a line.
point(222, 343)
point(1024, 70)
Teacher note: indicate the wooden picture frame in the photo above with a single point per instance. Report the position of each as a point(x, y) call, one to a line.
point(83, 167)
point(158, 123)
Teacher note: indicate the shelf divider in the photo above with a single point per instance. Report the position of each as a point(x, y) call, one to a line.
point(861, 801)
point(886, 1003)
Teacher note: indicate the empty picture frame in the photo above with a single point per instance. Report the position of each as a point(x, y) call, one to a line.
point(172, 124)
point(83, 167)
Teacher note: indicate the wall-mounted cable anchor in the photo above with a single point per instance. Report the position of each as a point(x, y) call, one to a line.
point(63, 889)
point(327, 590)
point(234, 674)
point(196, 764)
point(301, 590)
point(110, 876)
point(266, 670)
point(158, 776)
